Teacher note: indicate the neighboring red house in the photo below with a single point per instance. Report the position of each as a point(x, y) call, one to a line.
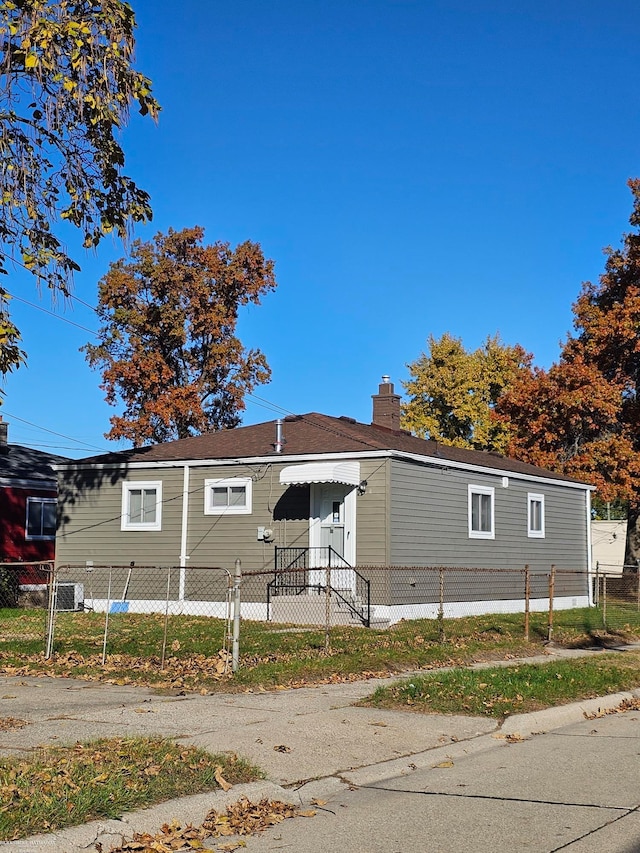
point(28, 505)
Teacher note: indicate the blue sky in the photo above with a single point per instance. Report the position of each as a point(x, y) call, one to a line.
point(412, 167)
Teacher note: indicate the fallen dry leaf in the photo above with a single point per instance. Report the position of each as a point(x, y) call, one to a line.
point(515, 737)
point(444, 764)
point(626, 705)
point(226, 786)
point(282, 748)
point(9, 724)
point(247, 818)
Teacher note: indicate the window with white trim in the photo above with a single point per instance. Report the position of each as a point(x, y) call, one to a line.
point(229, 496)
point(41, 519)
point(535, 515)
point(481, 512)
point(141, 505)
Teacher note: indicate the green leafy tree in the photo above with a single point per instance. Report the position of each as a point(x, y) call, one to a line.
point(11, 355)
point(453, 392)
point(168, 346)
point(66, 86)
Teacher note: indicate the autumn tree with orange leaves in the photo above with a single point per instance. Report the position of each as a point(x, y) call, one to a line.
point(168, 348)
point(582, 416)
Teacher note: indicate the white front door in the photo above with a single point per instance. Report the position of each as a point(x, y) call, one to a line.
point(332, 533)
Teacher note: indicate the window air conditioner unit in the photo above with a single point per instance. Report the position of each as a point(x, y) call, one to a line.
point(70, 596)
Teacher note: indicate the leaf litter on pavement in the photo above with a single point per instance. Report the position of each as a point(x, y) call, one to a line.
point(10, 724)
point(632, 704)
point(241, 818)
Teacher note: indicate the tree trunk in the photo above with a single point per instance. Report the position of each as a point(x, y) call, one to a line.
point(632, 547)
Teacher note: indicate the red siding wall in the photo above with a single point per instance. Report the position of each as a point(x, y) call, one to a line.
point(14, 547)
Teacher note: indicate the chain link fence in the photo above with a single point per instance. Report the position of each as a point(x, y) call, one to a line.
point(153, 611)
point(148, 611)
point(617, 596)
point(380, 596)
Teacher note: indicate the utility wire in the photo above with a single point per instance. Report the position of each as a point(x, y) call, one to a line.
point(51, 313)
point(52, 432)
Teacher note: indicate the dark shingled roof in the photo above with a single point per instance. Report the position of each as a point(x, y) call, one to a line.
point(24, 463)
point(307, 434)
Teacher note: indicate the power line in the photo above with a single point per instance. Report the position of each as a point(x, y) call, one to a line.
point(53, 432)
point(51, 313)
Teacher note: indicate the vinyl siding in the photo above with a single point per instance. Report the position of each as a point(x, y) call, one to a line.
point(372, 515)
point(430, 527)
point(90, 506)
point(220, 540)
point(90, 519)
point(372, 526)
point(409, 515)
point(90, 522)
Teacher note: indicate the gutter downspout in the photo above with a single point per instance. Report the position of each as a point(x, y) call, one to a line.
point(183, 532)
point(587, 501)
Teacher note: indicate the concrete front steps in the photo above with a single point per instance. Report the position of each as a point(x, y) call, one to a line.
point(312, 610)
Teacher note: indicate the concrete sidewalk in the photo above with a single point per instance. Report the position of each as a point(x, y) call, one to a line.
point(308, 741)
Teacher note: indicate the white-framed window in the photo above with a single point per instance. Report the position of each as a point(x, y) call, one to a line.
point(41, 518)
point(535, 515)
point(229, 496)
point(141, 505)
point(481, 512)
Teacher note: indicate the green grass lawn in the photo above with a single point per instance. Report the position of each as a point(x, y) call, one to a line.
point(67, 786)
point(270, 654)
point(502, 691)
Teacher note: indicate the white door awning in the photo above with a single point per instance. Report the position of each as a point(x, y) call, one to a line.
point(321, 472)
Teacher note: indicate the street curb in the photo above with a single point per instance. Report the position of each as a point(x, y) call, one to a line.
point(537, 722)
point(523, 725)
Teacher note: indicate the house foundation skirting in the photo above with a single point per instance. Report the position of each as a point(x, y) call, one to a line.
point(458, 609)
point(214, 609)
point(379, 613)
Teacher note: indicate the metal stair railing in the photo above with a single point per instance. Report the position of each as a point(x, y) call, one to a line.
point(291, 577)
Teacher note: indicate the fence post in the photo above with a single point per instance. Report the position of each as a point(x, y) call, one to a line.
point(596, 598)
point(327, 606)
point(51, 616)
point(527, 597)
point(166, 618)
point(235, 645)
point(441, 608)
point(552, 584)
point(106, 620)
point(604, 602)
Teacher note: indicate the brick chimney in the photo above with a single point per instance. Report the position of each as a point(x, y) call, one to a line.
point(4, 433)
point(386, 406)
